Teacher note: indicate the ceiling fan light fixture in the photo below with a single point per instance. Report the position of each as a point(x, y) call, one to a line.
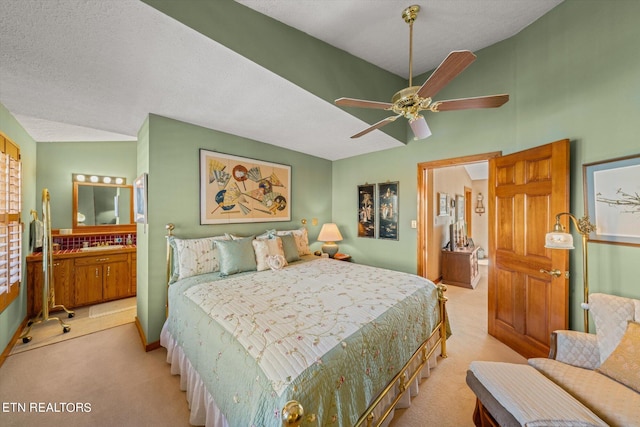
point(420, 128)
point(410, 101)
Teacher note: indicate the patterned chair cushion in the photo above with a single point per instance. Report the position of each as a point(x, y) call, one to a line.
point(611, 314)
point(615, 403)
point(577, 349)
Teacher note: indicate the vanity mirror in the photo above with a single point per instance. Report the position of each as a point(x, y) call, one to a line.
point(102, 207)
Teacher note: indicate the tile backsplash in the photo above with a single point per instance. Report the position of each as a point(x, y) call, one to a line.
point(76, 242)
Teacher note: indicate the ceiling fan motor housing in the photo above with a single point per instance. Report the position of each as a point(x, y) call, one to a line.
point(407, 103)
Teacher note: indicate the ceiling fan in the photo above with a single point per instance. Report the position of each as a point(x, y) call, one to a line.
point(410, 101)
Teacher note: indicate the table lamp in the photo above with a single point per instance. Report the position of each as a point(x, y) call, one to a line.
point(330, 235)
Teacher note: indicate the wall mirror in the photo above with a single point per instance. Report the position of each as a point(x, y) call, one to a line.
point(103, 207)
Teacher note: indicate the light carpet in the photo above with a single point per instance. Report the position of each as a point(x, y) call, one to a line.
point(87, 320)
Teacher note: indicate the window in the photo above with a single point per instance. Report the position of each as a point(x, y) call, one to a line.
point(10, 225)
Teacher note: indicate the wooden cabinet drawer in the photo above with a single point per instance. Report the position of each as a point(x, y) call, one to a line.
point(101, 259)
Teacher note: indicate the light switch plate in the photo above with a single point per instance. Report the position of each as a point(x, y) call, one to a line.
point(414, 223)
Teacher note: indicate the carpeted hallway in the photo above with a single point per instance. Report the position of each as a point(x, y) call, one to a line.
point(109, 374)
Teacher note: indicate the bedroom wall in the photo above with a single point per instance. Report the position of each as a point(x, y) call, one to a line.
point(570, 75)
point(169, 151)
point(58, 160)
point(480, 229)
point(13, 315)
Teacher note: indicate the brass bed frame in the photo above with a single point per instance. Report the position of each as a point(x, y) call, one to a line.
point(293, 413)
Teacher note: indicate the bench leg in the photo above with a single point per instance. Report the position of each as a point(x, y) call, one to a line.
point(482, 417)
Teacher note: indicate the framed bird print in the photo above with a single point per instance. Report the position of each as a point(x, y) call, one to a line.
point(237, 189)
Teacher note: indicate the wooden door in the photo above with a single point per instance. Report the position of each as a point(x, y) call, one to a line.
point(116, 279)
point(62, 285)
point(88, 283)
point(526, 191)
point(62, 276)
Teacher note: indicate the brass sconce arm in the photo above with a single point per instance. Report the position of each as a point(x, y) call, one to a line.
point(583, 225)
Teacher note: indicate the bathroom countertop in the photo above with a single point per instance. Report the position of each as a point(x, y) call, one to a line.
point(72, 253)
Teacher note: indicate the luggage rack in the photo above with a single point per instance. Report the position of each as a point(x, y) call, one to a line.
point(48, 291)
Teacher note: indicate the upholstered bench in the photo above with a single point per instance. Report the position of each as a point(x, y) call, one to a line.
point(518, 395)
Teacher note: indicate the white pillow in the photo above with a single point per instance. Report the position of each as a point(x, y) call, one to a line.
point(301, 237)
point(266, 248)
point(197, 256)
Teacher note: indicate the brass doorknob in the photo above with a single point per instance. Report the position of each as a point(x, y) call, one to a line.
point(554, 273)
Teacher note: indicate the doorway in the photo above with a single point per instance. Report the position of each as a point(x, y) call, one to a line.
point(429, 242)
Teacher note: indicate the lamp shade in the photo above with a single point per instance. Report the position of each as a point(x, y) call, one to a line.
point(420, 128)
point(558, 240)
point(329, 233)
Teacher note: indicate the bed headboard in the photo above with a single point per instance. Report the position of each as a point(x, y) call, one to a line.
point(169, 227)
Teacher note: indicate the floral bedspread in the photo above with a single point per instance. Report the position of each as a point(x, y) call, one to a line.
point(327, 333)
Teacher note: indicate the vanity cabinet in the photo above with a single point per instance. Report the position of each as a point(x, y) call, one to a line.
point(62, 272)
point(460, 267)
point(99, 278)
point(82, 278)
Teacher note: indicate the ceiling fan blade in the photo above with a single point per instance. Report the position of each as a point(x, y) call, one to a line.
point(452, 65)
point(492, 101)
point(361, 103)
point(376, 126)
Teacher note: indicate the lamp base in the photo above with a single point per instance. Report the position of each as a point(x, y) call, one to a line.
point(330, 248)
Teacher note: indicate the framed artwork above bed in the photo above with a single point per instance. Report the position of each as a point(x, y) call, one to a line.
point(237, 189)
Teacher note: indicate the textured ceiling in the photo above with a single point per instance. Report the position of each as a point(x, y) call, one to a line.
point(90, 70)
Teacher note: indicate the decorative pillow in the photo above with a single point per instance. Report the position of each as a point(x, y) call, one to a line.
point(301, 237)
point(236, 237)
point(623, 365)
point(175, 265)
point(236, 256)
point(276, 262)
point(265, 248)
point(290, 248)
point(193, 257)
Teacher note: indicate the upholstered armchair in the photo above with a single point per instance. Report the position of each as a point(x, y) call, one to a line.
point(611, 315)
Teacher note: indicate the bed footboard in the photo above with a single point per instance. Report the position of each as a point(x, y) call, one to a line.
point(293, 411)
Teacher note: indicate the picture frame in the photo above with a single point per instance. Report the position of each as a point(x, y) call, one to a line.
point(140, 199)
point(388, 210)
point(612, 200)
point(443, 204)
point(236, 189)
point(367, 210)
point(460, 207)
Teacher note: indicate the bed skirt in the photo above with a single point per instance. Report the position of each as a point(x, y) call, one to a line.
point(203, 409)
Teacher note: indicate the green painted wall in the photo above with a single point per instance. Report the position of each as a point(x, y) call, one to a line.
point(571, 74)
point(58, 160)
point(13, 315)
point(169, 151)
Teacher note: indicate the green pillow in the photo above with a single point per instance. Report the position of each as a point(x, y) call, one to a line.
point(290, 248)
point(236, 256)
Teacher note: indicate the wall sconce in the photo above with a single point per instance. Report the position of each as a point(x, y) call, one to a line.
point(329, 234)
point(559, 239)
point(479, 206)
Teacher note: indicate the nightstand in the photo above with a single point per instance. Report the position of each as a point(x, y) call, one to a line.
point(342, 257)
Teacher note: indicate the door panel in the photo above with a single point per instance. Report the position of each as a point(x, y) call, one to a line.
point(526, 190)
